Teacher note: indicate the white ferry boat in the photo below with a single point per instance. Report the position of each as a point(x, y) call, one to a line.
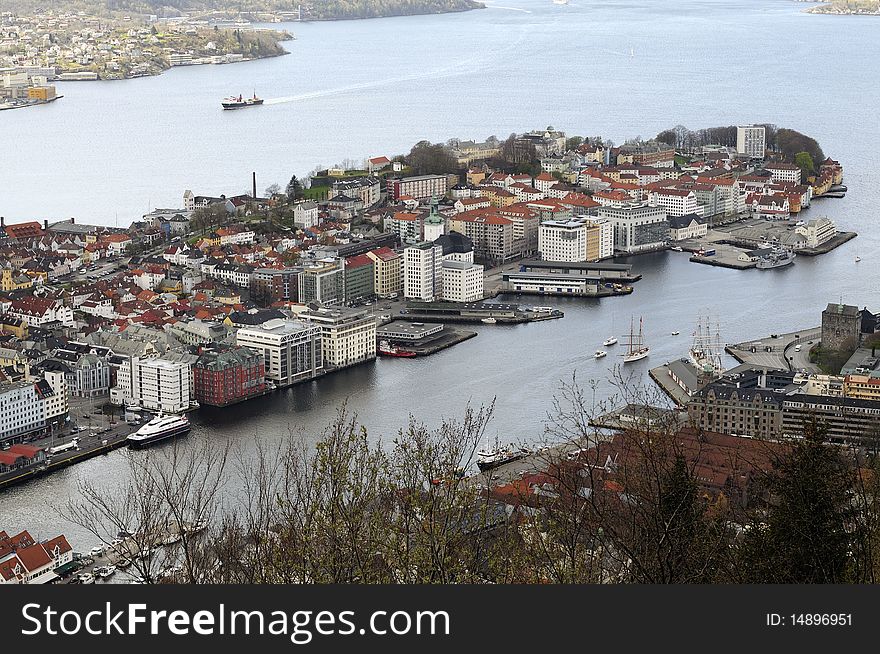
point(158, 429)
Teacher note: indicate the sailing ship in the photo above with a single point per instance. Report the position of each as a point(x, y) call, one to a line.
point(636, 348)
point(705, 352)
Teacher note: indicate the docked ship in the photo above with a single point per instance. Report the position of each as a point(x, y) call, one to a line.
point(777, 258)
point(706, 348)
point(389, 350)
point(239, 102)
point(636, 349)
point(489, 458)
point(158, 429)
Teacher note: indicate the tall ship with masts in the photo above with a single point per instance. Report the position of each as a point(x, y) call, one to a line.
point(706, 347)
point(636, 350)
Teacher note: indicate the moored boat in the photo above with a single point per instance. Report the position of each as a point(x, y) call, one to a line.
point(158, 429)
point(497, 455)
point(389, 350)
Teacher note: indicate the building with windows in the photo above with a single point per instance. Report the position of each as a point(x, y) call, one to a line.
point(784, 172)
point(23, 560)
point(637, 226)
point(276, 284)
point(322, 281)
point(685, 227)
point(751, 141)
point(156, 384)
point(841, 327)
point(387, 271)
point(423, 271)
point(291, 349)
point(365, 189)
point(226, 375)
point(462, 281)
point(574, 240)
point(348, 336)
point(360, 278)
point(21, 411)
point(817, 231)
point(676, 201)
point(421, 187)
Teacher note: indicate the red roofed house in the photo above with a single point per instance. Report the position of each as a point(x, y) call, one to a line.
point(117, 243)
point(24, 561)
point(24, 231)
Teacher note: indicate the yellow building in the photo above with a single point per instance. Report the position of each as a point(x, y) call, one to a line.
point(14, 326)
point(863, 387)
point(9, 281)
point(592, 234)
point(474, 177)
point(387, 271)
point(44, 93)
point(227, 297)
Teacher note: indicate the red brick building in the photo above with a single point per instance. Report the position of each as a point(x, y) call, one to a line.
point(229, 375)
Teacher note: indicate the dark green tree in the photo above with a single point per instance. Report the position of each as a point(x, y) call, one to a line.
point(805, 535)
point(294, 189)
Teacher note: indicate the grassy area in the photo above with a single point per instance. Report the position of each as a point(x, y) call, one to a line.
point(829, 361)
point(316, 192)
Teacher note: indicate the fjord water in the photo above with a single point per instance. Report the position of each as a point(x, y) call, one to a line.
point(108, 151)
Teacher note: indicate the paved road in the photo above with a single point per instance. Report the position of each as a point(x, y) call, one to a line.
point(783, 352)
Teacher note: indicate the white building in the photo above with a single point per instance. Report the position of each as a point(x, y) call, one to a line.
point(21, 410)
point(563, 240)
point(818, 231)
point(462, 281)
point(637, 227)
point(677, 202)
point(422, 187)
point(577, 239)
point(348, 336)
point(156, 384)
point(751, 141)
point(606, 237)
point(55, 403)
point(685, 227)
point(37, 311)
point(783, 172)
point(423, 271)
point(306, 214)
point(291, 349)
point(25, 561)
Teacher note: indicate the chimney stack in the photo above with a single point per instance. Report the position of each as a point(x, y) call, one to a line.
point(46, 224)
point(255, 185)
point(2, 221)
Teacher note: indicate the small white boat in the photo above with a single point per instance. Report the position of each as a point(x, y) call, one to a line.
point(599, 354)
point(677, 248)
point(858, 259)
point(609, 341)
point(675, 333)
point(488, 321)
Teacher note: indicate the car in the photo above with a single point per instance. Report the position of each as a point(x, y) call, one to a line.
point(809, 342)
point(97, 550)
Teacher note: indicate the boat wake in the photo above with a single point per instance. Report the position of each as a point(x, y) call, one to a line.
point(465, 66)
point(525, 11)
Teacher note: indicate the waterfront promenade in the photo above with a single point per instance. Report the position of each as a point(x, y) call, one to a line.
point(778, 350)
